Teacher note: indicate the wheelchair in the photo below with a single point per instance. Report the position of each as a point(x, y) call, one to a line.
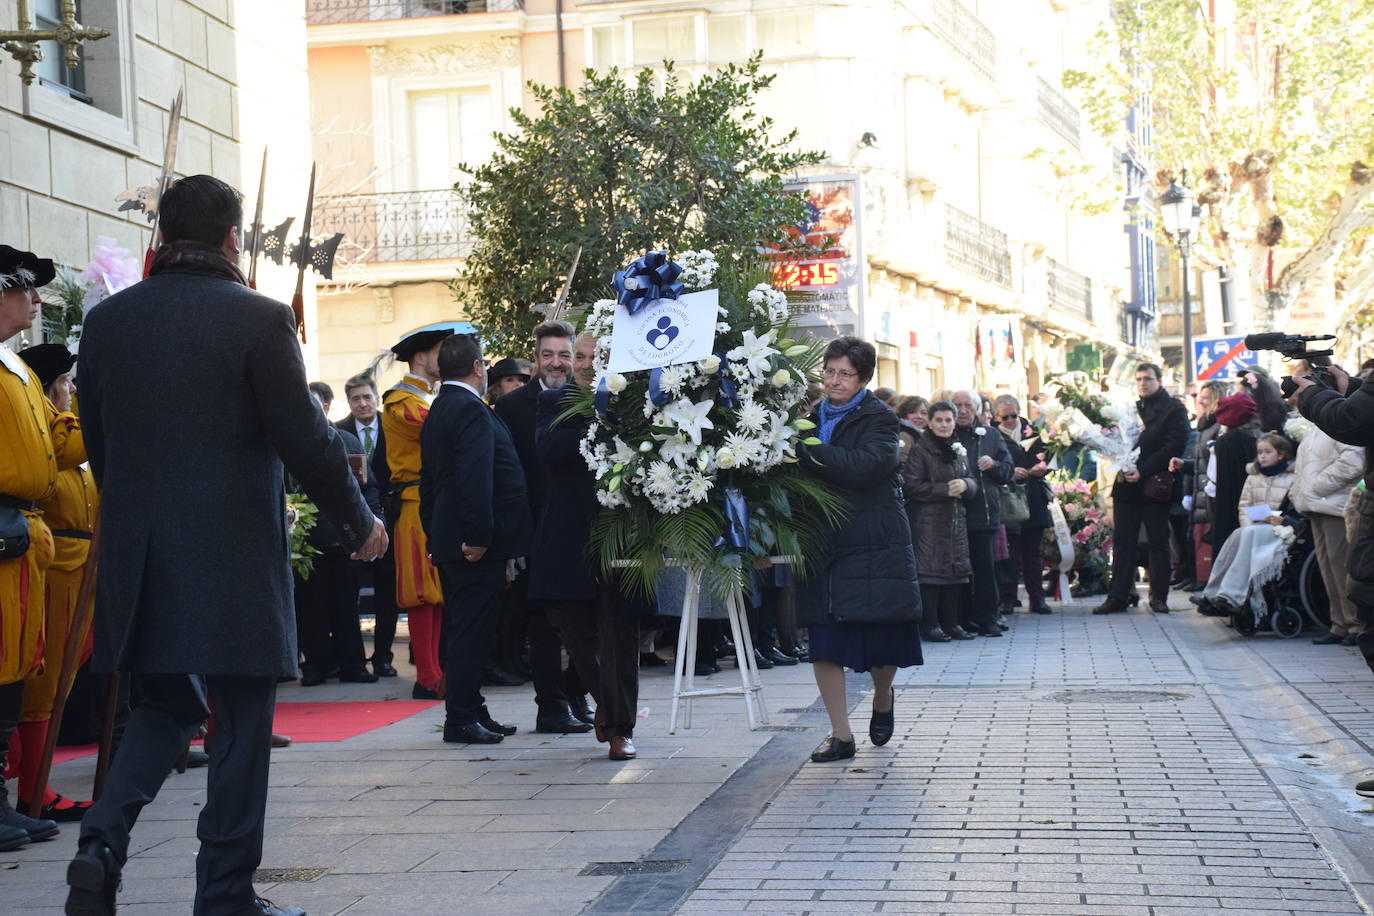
point(1297, 598)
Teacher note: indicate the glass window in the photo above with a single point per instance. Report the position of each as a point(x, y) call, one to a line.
point(786, 34)
point(52, 70)
point(448, 128)
point(657, 40)
point(726, 39)
point(608, 46)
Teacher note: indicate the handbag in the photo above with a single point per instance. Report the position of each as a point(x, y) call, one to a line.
point(1159, 487)
point(1015, 503)
point(14, 533)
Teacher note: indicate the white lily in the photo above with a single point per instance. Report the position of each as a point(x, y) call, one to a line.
point(691, 419)
point(754, 351)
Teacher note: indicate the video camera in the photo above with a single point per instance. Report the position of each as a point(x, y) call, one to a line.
point(1294, 346)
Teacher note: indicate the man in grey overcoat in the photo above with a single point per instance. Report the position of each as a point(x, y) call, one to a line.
point(193, 397)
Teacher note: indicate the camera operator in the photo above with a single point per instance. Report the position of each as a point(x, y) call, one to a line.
point(1344, 410)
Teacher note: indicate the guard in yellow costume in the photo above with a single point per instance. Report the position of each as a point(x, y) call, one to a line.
point(69, 513)
point(38, 442)
point(404, 408)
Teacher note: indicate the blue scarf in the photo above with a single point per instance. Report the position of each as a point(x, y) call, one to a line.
point(831, 415)
point(1274, 469)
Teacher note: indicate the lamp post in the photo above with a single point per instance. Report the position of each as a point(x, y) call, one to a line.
point(1180, 214)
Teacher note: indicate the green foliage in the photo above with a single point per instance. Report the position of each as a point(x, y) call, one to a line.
point(302, 553)
point(620, 168)
point(62, 300)
point(1295, 80)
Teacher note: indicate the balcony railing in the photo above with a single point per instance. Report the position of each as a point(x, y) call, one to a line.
point(966, 36)
point(1057, 112)
point(329, 12)
point(1070, 291)
point(398, 226)
point(976, 247)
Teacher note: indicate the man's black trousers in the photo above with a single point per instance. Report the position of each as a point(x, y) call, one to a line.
point(472, 610)
point(167, 710)
point(1125, 547)
point(327, 615)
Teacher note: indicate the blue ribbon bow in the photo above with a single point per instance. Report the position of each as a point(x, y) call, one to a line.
point(647, 279)
point(657, 394)
point(729, 391)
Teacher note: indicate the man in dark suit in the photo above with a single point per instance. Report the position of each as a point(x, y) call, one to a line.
point(553, 347)
point(327, 625)
point(194, 592)
point(365, 422)
point(476, 518)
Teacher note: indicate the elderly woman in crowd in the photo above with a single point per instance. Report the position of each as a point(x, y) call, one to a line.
point(938, 479)
point(861, 602)
point(1025, 539)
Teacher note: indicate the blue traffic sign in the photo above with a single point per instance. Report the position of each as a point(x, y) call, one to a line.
point(1220, 357)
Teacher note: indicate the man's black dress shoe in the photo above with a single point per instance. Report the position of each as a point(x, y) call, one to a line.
point(263, 907)
point(777, 656)
point(833, 749)
point(421, 692)
point(485, 720)
point(961, 633)
point(358, 675)
point(471, 733)
point(1330, 639)
point(1113, 605)
point(38, 829)
point(1350, 640)
point(12, 838)
point(500, 677)
point(383, 669)
point(580, 710)
point(991, 630)
point(936, 636)
point(560, 722)
point(881, 724)
point(197, 759)
point(93, 880)
point(311, 678)
point(706, 668)
point(1041, 608)
point(761, 661)
point(651, 660)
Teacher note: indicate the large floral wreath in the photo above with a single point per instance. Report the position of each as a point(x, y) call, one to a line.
point(697, 462)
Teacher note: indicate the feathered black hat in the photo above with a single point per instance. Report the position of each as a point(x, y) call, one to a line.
point(24, 269)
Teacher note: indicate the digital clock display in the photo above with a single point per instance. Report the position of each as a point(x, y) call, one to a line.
point(806, 273)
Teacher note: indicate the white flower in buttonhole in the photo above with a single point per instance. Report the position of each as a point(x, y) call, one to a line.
point(980, 430)
point(752, 415)
point(689, 418)
point(754, 352)
point(959, 449)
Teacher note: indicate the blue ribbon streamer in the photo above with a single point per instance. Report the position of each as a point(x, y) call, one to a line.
point(729, 391)
point(736, 519)
point(657, 394)
point(646, 280)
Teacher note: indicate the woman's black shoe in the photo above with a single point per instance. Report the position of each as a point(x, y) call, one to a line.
point(761, 661)
point(833, 749)
point(961, 633)
point(937, 636)
point(420, 692)
point(880, 724)
point(1041, 608)
point(1330, 639)
point(706, 668)
point(777, 656)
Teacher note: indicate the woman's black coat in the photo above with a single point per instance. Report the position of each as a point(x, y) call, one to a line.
point(560, 569)
point(1234, 450)
point(1037, 491)
point(868, 571)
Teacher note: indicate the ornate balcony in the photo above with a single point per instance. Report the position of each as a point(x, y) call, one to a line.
point(976, 247)
point(398, 226)
point(330, 12)
point(1070, 291)
point(966, 36)
point(1058, 113)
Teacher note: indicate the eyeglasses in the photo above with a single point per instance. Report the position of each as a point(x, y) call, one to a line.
point(845, 374)
point(1007, 418)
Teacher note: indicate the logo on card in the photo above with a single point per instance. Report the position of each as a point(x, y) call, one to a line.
point(663, 333)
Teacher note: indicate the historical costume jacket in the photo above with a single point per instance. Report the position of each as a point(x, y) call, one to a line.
point(404, 409)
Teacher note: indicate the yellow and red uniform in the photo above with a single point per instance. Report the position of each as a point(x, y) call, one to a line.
point(39, 442)
point(418, 593)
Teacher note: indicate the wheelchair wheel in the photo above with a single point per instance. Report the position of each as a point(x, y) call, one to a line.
point(1286, 622)
point(1315, 600)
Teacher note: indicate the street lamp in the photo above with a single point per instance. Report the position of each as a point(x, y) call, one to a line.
point(1180, 214)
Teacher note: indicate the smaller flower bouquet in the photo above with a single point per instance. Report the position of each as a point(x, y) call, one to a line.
point(1089, 528)
point(1082, 416)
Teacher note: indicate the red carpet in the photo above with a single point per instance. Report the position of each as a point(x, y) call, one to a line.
point(311, 723)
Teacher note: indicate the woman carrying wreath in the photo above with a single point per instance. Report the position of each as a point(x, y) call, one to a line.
point(861, 602)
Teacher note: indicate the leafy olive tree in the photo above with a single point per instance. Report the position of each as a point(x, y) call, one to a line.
point(618, 168)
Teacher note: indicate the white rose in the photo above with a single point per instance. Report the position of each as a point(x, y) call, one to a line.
point(781, 378)
point(616, 383)
point(711, 364)
point(980, 431)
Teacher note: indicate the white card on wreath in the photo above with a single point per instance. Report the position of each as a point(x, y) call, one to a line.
point(667, 332)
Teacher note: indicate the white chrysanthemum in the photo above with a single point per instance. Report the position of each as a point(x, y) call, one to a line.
point(698, 487)
point(698, 268)
point(611, 500)
point(661, 478)
point(752, 415)
point(672, 379)
point(768, 303)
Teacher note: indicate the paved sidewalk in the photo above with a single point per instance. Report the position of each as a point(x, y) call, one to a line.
point(1124, 765)
point(1131, 764)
